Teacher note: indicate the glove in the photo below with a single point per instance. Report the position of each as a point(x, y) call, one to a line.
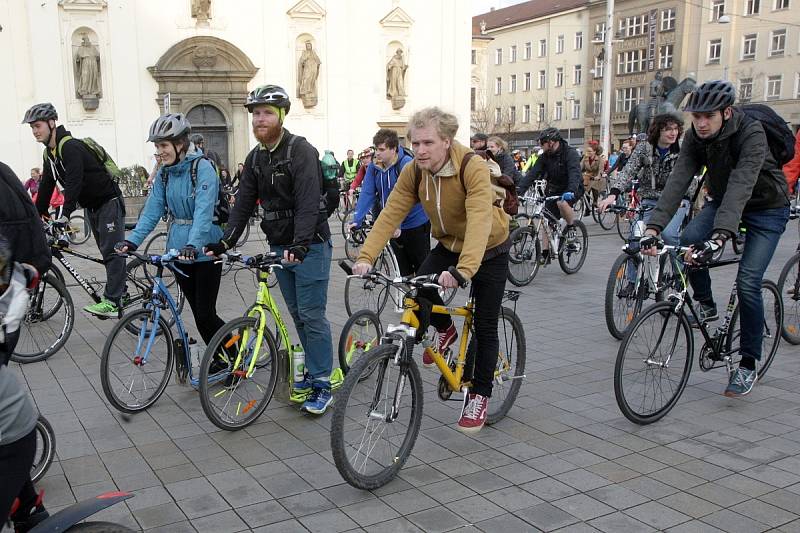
point(568, 196)
point(123, 244)
point(188, 253)
point(299, 253)
point(217, 248)
point(648, 241)
point(704, 252)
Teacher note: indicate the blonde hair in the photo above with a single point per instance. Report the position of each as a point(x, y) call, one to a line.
point(498, 141)
point(446, 124)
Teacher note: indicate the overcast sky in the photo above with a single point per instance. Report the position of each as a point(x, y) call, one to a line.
point(482, 6)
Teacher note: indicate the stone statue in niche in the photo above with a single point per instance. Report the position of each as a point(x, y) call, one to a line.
point(201, 10)
point(307, 75)
point(395, 80)
point(87, 74)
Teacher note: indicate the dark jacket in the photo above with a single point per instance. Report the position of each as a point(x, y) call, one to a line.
point(562, 170)
point(741, 174)
point(84, 179)
point(290, 194)
point(620, 163)
point(20, 223)
point(508, 167)
point(646, 165)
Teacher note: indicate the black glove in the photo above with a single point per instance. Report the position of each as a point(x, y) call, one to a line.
point(122, 244)
point(299, 253)
point(188, 253)
point(704, 252)
point(648, 241)
point(217, 248)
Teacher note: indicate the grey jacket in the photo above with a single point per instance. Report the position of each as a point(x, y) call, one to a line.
point(651, 170)
point(741, 174)
point(17, 412)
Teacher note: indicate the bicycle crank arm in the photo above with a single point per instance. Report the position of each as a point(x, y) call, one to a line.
point(500, 379)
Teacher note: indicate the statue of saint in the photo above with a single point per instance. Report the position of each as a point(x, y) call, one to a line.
point(87, 63)
point(395, 79)
point(657, 86)
point(201, 10)
point(307, 74)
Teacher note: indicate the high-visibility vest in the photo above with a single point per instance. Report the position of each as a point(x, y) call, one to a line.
point(350, 171)
point(529, 163)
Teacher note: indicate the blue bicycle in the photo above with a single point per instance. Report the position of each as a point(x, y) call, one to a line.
point(142, 350)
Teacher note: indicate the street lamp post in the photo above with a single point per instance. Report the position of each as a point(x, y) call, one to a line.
point(605, 117)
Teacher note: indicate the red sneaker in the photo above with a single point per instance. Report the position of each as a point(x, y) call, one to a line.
point(444, 340)
point(473, 417)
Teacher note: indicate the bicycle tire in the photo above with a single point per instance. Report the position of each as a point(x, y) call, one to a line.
point(131, 268)
point(361, 333)
point(347, 219)
point(245, 236)
point(606, 219)
point(228, 387)
point(621, 312)
point(664, 312)
point(381, 359)
point(122, 328)
point(524, 255)
point(565, 253)
point(580, 208)
point(771, 338)
point(448, 295)
point(44, 453)
point(34, 327)
point(50, 312)
point(362, 293)
point(100, 527)
point(623, 226)
point(154, 244)
point(84, 230)
point(791, 316)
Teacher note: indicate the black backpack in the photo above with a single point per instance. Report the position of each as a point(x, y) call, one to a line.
point(222, 208)
point(20, 223)
point(779, 135)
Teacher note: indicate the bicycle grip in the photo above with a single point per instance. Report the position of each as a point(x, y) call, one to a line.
point(462, 281)
point(346, 266)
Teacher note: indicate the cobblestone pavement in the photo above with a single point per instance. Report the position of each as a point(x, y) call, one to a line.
point(564, 458)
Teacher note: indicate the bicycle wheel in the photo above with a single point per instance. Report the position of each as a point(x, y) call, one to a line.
point(789, 287)
point(773, 321)
point(623, 226)
point(353, 243)
point(56, 303)
point(232, 398)
point(580, 207)
point(606, 219)
point(45, 449)
point(524, 255)
point(48, 322)
point(574, 247)
point(138, 274)
point(244, 237)
point(135, 367)
point(157, 245)
point(653, 363)
point(347, 219)
point(448, 295)
point(361, 333)
point(623, 301)
point(78, 231)
point(367, 294)
point(370, 440)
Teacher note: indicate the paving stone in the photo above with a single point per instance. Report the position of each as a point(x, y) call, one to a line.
point(620, 523)
point(656, 515)
point(306, 503)
point(203, 505)
point(436, 520)
point(264, 513)
point(410, 501)
point(398, 525)
point(370, 512)
point(617, 496)
point(718, 494)
point(288, 526)
point(505, 522)
point(513, 498)
point(583, 506)
point(689, 505)
point(732, 522)
point(332, 521)
point(159, 515)
point(225, 521)
point(582, 479)
point(475, 508)
point(764, 513)
point(546, 517)
point(447, 491)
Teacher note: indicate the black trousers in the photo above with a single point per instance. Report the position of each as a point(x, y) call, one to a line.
point(487, 287)
point(16, 460)
point(411, 248)
point(201, 287)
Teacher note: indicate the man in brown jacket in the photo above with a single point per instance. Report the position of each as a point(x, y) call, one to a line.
point(472, 235)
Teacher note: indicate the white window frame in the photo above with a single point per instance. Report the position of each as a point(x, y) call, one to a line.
point(512, 83)
point(749, 46)
point(576, 109)
point(577, 74)
point(541, 113)
point(560, 44)
point(498, 85)
point(778, 36)
point(542, 47)
point(498, 56)
point(512, 53)
point(559, 82)
point(668, 16)
point(498, 115)
point(597, 102)
point(542, 81)
point(714, 52)
point(772, 82)
point(526, 113)
point(666, 55)
point(631, 61)
point(717, 9)
point(627, 97)
point(781, 4)
point(748, 83)
point(512, 115)
point(578, 40)
point(634, 26)
point(526, 51)
point(526, 83)
point(558, 111)
point(599, 67)
point(752, 7)
point(600, 31)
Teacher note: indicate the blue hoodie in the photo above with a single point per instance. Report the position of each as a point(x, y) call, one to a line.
point(381, 181)
point(185, 202)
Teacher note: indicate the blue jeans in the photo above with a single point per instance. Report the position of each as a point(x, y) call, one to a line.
point(670, 235)
point(764, 229)
point(305, 291)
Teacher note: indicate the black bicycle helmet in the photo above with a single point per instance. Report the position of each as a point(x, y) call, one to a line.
point(711, 96)
point(268, 94)
point(549, 134)
point(44, 111)
point(169, 127)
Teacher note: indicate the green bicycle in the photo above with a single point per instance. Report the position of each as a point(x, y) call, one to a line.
point(245, 360)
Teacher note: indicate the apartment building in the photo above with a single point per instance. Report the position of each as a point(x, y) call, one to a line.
point(530, 71)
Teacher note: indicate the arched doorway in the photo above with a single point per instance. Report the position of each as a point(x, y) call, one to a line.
point(210, 122)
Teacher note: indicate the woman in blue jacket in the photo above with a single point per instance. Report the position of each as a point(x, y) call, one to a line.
point(191, 207)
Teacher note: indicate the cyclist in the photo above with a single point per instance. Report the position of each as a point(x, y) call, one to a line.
point(296, 225)
point(191, 208)
point(349, 169)
point(560, 165)
point(593, 169)
point(472, 235)
point(411, 241)
point(622, 157)
point(746, 184)
point(499, 149)
point(478, 141)
point(86, 182)
point(200, 146)
point(364, 158)
point(32, 184)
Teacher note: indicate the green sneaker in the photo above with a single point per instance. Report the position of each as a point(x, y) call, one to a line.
point(104, 308)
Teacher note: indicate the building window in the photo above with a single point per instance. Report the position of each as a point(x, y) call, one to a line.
point(542, 47)
point(632, 26)
point(627, 98)
point(498, 85)
point(577, 75)
point(558, 111)
point(745, 89)
point(542, 80)
point(560, 44)
point(781, 4)
point(749, 43)
point(752, 7)
point(512, 115)
point(526, 113)
point(512, 83)
point(526, 84)
point(600, 32)
point(559, 77)
point(498, 115)
point(668, 19)
point(512, 53)
point(474, 57)
point(631, 61)
point(498, 56)
point(540, 113)
point(665, 56)
point(774, 87)
point(714, 50)
point(777, 42)
point(597, 102)
point(526, 53)
point(717, 9)
point(579, 40)
point(576, 109)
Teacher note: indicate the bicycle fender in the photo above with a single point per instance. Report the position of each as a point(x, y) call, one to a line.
point(68, 517)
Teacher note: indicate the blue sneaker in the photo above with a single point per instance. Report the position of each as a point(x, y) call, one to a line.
point(318, 401)
point(741, 383)
point(301, 390)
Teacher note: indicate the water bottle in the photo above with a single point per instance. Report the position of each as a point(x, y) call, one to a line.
point(298, 363)
point(194, 354)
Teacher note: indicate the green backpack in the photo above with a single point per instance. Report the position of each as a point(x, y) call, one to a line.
point(99, 153)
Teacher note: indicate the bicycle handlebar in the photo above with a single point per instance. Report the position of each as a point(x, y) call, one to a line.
point(260, 261)
point(423, 281)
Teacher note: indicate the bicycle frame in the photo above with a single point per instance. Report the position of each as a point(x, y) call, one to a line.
point(58, 254)
point(264, 302)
